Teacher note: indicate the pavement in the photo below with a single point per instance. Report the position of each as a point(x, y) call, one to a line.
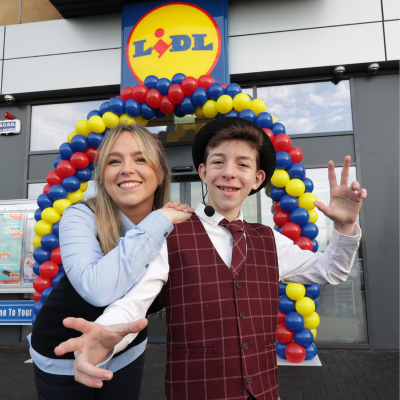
point(345, 374)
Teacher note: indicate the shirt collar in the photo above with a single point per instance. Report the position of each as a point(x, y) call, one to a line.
point(215, 219)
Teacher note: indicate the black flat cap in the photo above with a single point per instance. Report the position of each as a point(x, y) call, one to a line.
point(267, 151)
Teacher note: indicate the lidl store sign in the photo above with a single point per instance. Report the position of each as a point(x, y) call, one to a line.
point(164, 39)
point(16, 312)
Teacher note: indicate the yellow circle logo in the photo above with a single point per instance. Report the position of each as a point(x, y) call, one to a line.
point(174, 37)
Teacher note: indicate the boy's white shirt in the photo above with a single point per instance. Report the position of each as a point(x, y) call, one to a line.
point(295, 265)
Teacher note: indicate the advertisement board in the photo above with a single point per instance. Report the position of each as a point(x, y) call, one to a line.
point(16, 312)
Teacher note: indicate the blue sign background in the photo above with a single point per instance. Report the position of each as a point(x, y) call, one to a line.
point(16, 312)
point(218, 9)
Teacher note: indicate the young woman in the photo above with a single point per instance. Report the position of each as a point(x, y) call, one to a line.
point(107, 245)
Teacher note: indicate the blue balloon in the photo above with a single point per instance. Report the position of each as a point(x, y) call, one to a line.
point(279, 229)
point(233, 89)
point(178, 78)
point(91, 166)
point(215, 91)
point(200, 97)
point(283, 160)
point(276, 193)
point(308, 183)
point(146, 111)
point(84, 175)
point(264, 120)
point(163, 85)
point(33, 319)
point(37, 307)
point(151, 82)
point(300, 216)
point(132, 108)
point(232, 113)
point(40, 255)
point(296, 171)
point(247, 114)
point(93, 113)
point(282, 288)
point(55, 280)
point(56, 228)
point(278, 128)
point(316, 303)
point(66, 151)
point(117, 106)
point(95, 139)
point(187, 105)
point(79, 143)
point(61, 268)
point(57, 192)
point(312, 291)
point(280, 350)
point(251, 97)
point(50, 241)
point(294, 321)
point(105, 107)
point(311, 351)
point(309, 230)
point(71, 183)
point(44, 201)
point(56, 161)
point(314, 245)
point(304, 337)
point(38, 214)
point(46, 292)
point(178, 112)
point(286, 305)
point(159, 114)
point(288, 203)
point(35, 268)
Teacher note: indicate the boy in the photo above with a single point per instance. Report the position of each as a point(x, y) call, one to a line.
point(222, 277)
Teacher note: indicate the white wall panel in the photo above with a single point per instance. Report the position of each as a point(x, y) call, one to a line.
point(306, 49)
point(391, 9)
point(63, 36)
point(392, 32)
point(64, 71)
point(259, 16)
point(1, 70)
point(2, 28)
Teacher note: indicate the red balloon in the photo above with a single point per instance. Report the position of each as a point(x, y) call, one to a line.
point(282, 142)
point(277, 206)
point(223, 84)
point(189, 85)
point(281, 317)
point(153, 98)
point(139, 93)
point(205, 81)
point(40, 283)
point(79, 160)
point(126, 93)
point(175, 93)
point(53, 178)
point(296, 154)
point(304, 243)
point(284, 334)
point(37, 296)
point(46, 189)
point(49, 269)
point(167, 106)
point(269, 133)
point(91, 154)
point(281, 217)
point(295, 353)
point(65, 169)
point(291, 230)
point(55, 255)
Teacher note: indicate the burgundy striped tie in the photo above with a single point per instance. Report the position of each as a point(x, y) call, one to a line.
point(236, 228)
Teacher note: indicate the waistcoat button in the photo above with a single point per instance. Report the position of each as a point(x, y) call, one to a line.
point(241, 315)
point(245, 345)
point(249, 379)
point(238, 285)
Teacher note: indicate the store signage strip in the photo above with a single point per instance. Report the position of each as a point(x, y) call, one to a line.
point(16, 312)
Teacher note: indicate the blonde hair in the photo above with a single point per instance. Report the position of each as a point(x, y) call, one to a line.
point(107, 215)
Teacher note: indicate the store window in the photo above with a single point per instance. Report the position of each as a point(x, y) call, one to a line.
point(310, 107)
point(36, 189)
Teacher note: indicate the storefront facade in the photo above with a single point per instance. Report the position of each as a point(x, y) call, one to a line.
point(283, 53)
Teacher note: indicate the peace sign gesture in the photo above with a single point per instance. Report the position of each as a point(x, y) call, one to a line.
point(345, 201)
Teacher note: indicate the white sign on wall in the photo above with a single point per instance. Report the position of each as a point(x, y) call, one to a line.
point(10, 127)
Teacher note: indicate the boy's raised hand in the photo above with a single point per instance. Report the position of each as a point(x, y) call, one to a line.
point(345, 201)
point(93, 346)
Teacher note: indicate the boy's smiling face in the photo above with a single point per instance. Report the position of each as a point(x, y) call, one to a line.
point(230, 174)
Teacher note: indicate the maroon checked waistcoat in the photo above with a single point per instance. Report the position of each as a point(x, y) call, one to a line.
point(221, 329)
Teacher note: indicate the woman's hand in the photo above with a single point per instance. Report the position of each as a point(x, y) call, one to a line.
point(176, 212)
point(93, 346)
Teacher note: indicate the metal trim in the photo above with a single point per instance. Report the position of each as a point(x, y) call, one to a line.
point(320, 134)
point(27, 146)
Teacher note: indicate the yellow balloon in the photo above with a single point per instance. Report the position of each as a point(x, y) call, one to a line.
point(280, 178)
point(311, 321)
point(268, 188)
point(96, 124)
point(50, 215)
point(224, 104)
point(73, 197)
point(295, 291)
point(172, 137)
point(241, 102)
point(306, 201)
point(199, 113)
point(61, 205)
point(313, 216)
point(42, 228)
point(258, 106)
point(314, 332)
point(305, 306)
point(84, 186)
point(125, 119)
point(295, 187)
point(180, 131)
point(37, 241)
point(82, 127)
point(140, 120)
point(110, 119)
point(273, 119)
point(71, 135)
point(210, 109)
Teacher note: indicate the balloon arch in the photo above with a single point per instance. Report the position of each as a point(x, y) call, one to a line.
point(291, 191)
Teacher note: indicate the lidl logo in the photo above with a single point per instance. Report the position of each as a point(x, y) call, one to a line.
point(171, 38)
